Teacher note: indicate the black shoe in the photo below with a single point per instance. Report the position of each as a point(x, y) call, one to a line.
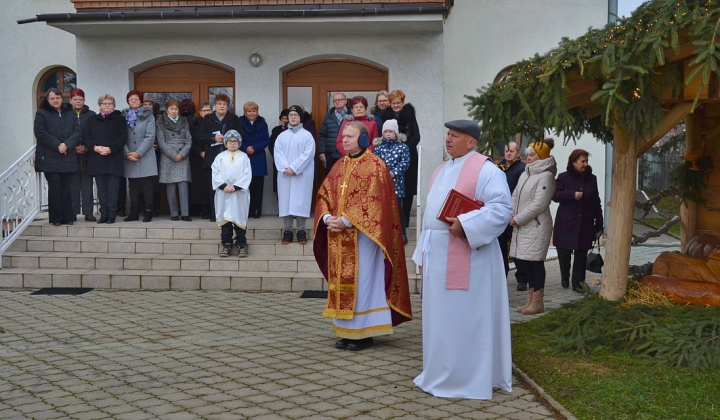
point(287, 237)
point(225, 251)
point(342, 343)
point(70, 223)
point(212, 219)
point(121, 213)
point(256, 216)
point(242, 251)
point(357, 345)
point(565, 283)
point(302, 237)
point(522, 287)
point(56, 223)
point(148, 216)
point(174, 218)
point(102, 220)
point(187, 218)
point(131, 218)
point(579, 288)
point(205, 216)
point(110, 220)
point(405, 239)
point(90, 218)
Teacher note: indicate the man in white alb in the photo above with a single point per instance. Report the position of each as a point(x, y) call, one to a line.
point(466, 320)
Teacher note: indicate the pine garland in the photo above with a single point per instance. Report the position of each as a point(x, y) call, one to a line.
point(623, 60)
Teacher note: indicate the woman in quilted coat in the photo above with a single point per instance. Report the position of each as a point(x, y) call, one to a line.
point(532, 222)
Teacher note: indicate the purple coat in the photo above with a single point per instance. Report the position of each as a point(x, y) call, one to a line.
point(577, 221)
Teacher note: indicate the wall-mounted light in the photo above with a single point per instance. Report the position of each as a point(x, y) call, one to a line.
point(256, 59)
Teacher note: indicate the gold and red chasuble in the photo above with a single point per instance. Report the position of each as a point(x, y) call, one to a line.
point(360, 189)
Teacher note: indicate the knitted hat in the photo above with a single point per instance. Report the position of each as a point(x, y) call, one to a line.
point(542, 148)
point(391, 125)
point(299, 110)
point(232, 134)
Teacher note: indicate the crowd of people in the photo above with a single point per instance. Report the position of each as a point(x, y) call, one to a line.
point(216, 163)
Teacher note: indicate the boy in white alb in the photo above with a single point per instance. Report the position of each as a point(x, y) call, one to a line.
point(231, 176)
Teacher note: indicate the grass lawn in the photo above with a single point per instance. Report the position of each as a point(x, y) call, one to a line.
point(613, 384)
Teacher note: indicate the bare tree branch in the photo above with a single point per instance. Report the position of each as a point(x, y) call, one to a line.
point(640, 239)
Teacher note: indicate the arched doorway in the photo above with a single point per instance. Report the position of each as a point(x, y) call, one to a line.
point(313, 84)
point(197, 80)
point(317, 81)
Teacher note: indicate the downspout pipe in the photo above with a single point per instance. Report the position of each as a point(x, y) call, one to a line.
point(612, 18)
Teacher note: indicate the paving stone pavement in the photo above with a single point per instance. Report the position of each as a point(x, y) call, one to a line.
point(225, 355)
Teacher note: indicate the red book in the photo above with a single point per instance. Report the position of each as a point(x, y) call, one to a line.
point(456, 204)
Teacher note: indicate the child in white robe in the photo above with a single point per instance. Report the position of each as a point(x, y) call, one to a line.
point(231, 176)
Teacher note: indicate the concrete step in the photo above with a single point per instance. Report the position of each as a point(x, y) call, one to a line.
point(159, 255)
point(257, 260)
point(26, 245)
point(266, 281)
point(264, 228)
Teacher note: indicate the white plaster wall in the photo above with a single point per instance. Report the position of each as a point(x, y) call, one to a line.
point(416, 68)
point(26, 52)
point(484, 36)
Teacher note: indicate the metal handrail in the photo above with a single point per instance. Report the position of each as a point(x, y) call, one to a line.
point(21, 198)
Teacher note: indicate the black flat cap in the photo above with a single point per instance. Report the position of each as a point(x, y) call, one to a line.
point(468, 127)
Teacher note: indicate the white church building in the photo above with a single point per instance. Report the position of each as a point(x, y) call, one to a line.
point(279, 52)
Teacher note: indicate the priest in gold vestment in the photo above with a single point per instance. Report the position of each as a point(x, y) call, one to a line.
point(359, 247)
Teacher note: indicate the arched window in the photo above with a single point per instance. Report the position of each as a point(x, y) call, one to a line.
point(58, 77)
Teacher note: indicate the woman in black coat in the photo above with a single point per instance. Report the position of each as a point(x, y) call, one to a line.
point(57, 132)
point(579, 219)
point(199, 196)
point(105, 137)
point(407, 124)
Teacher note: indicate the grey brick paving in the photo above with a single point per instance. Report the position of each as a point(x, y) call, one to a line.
point(226, 355)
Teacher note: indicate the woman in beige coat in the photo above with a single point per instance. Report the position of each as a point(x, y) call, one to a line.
point(532, 222)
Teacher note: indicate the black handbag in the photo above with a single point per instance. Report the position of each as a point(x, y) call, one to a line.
point(595, 260)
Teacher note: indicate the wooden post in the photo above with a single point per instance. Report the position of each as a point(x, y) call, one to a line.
point(688, 211)
point(620, 222)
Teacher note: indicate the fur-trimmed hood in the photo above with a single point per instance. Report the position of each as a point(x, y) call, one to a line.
point(45, 105)
point(166, 123)
point(142, 113)
point(407, 113)
point(351, 117)
point(401, 138)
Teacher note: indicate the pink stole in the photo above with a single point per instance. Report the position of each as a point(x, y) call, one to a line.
point(457, 276)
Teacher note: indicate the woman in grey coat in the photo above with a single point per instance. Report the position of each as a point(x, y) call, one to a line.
point(140, 163)
point(532, 221)
point(175, 141)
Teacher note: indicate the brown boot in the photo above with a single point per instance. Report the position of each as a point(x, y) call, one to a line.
point(536, 307)
point(530, 299)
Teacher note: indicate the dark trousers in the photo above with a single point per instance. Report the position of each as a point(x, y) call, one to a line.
point(136, 186)
point(533, 271)
point(407, 207)
point(107, 186)
point(402, 216)
point(578, 265)
point(226, 234)
point(329, 162)
point(504, 240)
point(257, 184)
point(122, 194)
point(82, 189)
point(59, 203)
point(207, 182)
